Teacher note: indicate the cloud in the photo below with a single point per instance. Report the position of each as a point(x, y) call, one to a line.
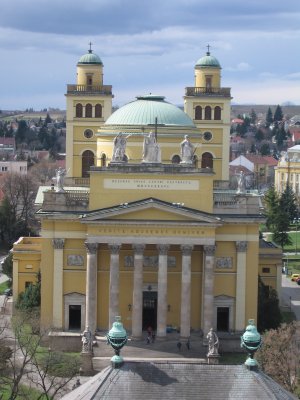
point(241, 67)
point(295, 75)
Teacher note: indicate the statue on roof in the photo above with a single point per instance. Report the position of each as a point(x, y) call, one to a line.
point(187, 151)
point(151, 149)
point(60, 178)
point(241, 183)
point(119, 149)
point(213, 343)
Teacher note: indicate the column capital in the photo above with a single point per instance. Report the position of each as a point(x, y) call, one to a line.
point(209, 250)
point(163, 249)
point(91, 247)
point(138, 249)
point(114, 248)
point(58, 243)
point(186, 249)
point(241, 246)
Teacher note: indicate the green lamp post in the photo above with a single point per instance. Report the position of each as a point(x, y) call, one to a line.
point(251, 341)
point(117, 338)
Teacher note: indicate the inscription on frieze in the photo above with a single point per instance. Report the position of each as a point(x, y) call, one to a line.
point(224, 262)
point(149, 261)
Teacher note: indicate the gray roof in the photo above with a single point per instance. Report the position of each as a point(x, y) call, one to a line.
point(169, 380)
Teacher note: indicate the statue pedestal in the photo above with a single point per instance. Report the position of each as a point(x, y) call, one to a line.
point(213, 358)
point(87, 364)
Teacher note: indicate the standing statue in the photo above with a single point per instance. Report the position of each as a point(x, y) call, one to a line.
point(119, 150)
point(87, 341)
point(186, 151)
point(60, 177)
point(151, 149)
point(241, 183)
point(213, 343)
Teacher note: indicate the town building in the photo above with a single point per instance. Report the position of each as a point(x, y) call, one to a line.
point(144, 225)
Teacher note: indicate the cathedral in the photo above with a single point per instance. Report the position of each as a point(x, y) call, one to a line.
point(142, 223)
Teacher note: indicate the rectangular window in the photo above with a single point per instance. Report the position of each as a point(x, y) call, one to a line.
point(266, 270)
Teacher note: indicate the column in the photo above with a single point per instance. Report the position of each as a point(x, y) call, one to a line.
point(185, 317)
point(91, 287)
point(114, 282)
point(162, 290)
point(57, 313)
point(137, 308)
point(240, 297)
point(208, 289)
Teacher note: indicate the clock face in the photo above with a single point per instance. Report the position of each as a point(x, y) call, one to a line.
point(88, 133)
point(207, 136)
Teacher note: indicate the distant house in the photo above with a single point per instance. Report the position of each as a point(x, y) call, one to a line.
point(7, 145)
point(262, 168)
point(19, 167)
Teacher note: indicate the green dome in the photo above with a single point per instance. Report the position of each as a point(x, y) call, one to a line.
point(90, 58)
point(145, 109)
point(208, 61)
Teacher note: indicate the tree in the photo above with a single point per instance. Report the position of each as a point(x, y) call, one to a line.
point(271, 208)
point(21, 132)
point(279, 356)
point(268, 313)
point(269, 117)
point(31, 297)
point(278, 114)
point(259, 136)
point(265, 149)
point(253, 116)
point(29, 361)
point(48, 119)
point(289, 203)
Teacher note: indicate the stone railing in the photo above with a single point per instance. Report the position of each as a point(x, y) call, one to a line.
point(85, 182)
point(204, 91)
point(74, 197)
point(91, 89)
point(231, 202)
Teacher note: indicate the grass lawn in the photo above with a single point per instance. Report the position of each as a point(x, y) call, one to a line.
point(25, 393)
point(3, 286)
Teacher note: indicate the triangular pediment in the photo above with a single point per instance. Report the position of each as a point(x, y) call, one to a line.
point(151, 210)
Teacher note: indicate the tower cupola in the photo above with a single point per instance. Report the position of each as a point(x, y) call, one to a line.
point(208, 71)
point(90, 69)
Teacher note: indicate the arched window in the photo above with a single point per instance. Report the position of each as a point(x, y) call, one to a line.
point(103, 160)
point(88, 111)
point(207, 160)
point(79, 109)
point(98, 111)
point(198, 112)
point(176, 159)
point(207, 112)
point(88, 160)
point(217, 113)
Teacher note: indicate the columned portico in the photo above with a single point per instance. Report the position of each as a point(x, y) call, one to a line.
point(91, 286)
point(241, 261)
point(114, 282)
point(137, 311)
point(208, 287)
point(185, 317)
point(162, 290)
point(58, 245)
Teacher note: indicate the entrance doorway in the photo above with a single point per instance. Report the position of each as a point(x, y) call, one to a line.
point(74, 317)
point(149, 310)
point(223, 319)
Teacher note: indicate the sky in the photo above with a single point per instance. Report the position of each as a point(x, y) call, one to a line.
point(148, 46)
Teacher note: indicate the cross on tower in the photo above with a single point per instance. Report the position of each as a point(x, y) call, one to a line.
point(208, 47)
point(90, 50)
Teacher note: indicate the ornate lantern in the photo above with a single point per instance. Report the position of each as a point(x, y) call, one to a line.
point(251, 341)
point(117, 338)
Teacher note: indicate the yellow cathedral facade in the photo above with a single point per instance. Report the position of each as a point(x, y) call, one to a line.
point(144, 225)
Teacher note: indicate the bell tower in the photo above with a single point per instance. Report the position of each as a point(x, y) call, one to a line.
point(89, 104)
point(208, 105)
